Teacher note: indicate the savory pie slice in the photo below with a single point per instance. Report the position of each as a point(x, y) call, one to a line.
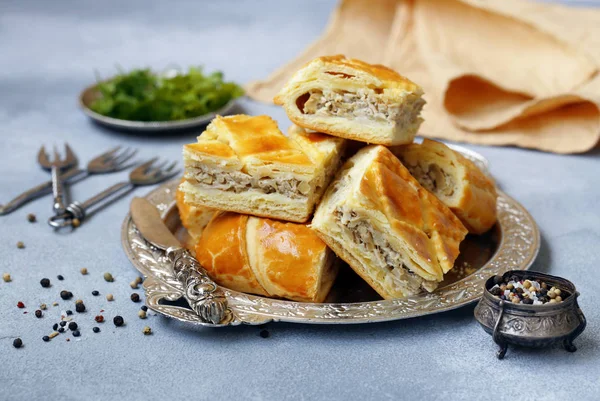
point(394, 233)
point(455, 180)
point(193, 218)
point(355, 100)
point(267, 257)
point(246, 165)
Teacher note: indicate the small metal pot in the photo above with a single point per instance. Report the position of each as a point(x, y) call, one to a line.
point(531, 325)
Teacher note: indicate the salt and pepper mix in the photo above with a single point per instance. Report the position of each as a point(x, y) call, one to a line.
point(526, 291)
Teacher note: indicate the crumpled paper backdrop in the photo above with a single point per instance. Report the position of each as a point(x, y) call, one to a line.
point(495, 72)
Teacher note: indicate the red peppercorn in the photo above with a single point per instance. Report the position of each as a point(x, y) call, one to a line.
point(20, 305)
point(99, 318)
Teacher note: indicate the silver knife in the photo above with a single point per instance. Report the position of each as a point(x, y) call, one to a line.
point(201, 293)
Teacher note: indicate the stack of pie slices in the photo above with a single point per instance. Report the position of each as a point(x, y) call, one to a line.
point(271, 214)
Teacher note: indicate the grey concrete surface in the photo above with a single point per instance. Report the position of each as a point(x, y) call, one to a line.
point(49, 52)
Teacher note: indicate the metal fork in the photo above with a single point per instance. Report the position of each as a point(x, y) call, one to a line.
point(147, 173)
point(56, 166)
point(108, 162)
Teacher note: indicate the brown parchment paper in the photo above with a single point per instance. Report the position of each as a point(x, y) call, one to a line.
point(495, 72)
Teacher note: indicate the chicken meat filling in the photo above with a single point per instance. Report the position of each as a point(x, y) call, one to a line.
point(233, 181)
point(361, 104)
point(385, 257)
point(433, 178)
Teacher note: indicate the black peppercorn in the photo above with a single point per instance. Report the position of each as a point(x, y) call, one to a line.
point(66, 294)
point(80, 307)
point(135, 297)
point(45, 282)
point(528, 301)
point(63, 323)
point(144, 308)
point(61, 330)
point(96, 329)
point(95, 293)
point(76, 333)
point(496, 291)
point(69, 312)
point(17, 343)
point(31, 218)
point(38, 313)
point(60, 277)
point(55, 326)
point(264, 333)
point(72, 326)
point(46, 338)
point(118, 321)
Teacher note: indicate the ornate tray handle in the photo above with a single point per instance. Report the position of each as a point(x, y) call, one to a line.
point(202, 294)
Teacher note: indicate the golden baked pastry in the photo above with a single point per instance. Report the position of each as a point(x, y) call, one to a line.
point(267, 257)
point(455, 180)
point(193, 218)
point(355, 100)
point(245, 164)
point(394, 233)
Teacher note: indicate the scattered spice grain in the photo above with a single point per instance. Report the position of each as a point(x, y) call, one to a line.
point(46, 338)
point(60, 277)
point(95, 293)
point(6, 277)
point(142, 314)
point(264, 333)
point(80, 307)
point(31, 218)
point(109, 297)
point(20, 305)
point(17, 343)
point(135, 297)
point(99, 319)
point(144, 308)
point(76, 333)
point(38, 313)
point(83, 271)
point(45, 282)
point(20, 245)
point(43, 307)
point(147, 331)
point(96, 329)
point(66, 294)
point(118, 321)
point(109, 277)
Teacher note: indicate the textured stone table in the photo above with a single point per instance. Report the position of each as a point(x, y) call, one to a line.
point(48, 53)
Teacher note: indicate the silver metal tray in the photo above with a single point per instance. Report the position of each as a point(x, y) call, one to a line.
point(512, 245)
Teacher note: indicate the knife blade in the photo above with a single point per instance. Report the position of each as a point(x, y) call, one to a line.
point(202, 294)
point(149, 223)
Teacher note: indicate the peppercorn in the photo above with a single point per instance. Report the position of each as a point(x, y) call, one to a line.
point(66, 294)
point(75, 223)
point(17, 343)
point(80, 307)
point(142, 314)
point(99, 319)
point(72, 326)
point(510, 286)
point(69, 312)
point(63, 323)
point(61, 330)
point(108, 277)
point(264, 333)
point(38, 313)
point(144, 308)
point(147, 331)
point(495, 291)
point(60, 277)
point(54, 303)
point(96, 329)
point(133, 285)
point(528, 301)
point(118, 321)
point(20, 245)
point(46, 338)
point(135, 297)
point(55, 326)
point(95, 293)
point(6, 277)
point(557, 291)
point(551, 294)
point(31, 218)
point(20, 305)
point(76, 333)
point(109, 297)
point(43, 306)
point(83, 271)
point(558, 298)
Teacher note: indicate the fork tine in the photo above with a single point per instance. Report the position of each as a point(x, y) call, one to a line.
point(56, 155)
point(124, 156)
point(70, 155)
point(157, 169)
point(108, 154)
point(170, 167)
point(43, 157)
point(143, 168)
point(164, 175)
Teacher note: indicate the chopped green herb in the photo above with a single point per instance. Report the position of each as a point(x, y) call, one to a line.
point(141, 95)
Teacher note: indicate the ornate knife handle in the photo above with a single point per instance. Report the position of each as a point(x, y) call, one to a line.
point(203, 295)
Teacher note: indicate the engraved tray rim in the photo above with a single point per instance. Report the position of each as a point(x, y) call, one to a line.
point(517, 249)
